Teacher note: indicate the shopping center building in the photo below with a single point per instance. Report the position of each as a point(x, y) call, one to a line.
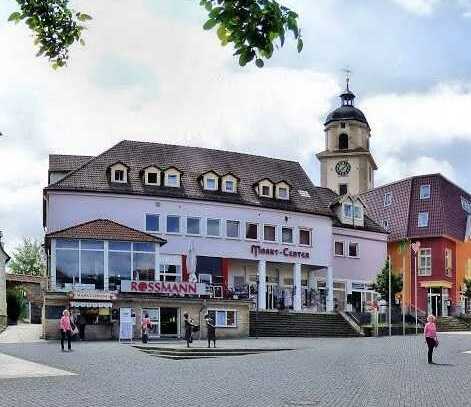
point(168, 229)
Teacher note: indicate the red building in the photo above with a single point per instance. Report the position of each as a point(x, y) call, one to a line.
point(433, 211)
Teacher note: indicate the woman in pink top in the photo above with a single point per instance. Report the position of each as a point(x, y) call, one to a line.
point(430, 333)
point(65, 327)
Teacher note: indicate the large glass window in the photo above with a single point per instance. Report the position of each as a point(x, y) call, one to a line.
point(92, 260)
point(193, 226)
point(170, 272)
point(232, 228)
point(119, 268)
point(173, 224)
point(67, 265)
point(143, 267)
point(213, 227)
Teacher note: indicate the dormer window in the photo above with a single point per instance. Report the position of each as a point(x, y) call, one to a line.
point(210, 181)
point(347, 210)
point(229, 183)
point(152, 176)
point(358, 213)
point(282, 191)
point(119, 173)
point(172, 177)
point(265, 188)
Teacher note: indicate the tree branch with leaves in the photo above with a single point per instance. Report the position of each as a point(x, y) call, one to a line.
point(27, 259)
point(254, 27)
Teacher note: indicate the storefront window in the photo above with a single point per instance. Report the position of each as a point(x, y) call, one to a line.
point(92, 263)
point(119, 264)
point(170, 272)
point(143, 266)
point(67, 266)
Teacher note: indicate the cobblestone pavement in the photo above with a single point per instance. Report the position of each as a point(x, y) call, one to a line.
point(21, 333)
point(320, 372)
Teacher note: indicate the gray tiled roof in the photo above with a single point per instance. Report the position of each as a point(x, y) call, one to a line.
point(93, 176)
point(66, 163)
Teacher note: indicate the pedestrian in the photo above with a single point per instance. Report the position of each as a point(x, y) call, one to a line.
point(146, 325)
point(430, 334)
point(65, 327)
point(211, 328)
point(189, 326)
point(81, 322)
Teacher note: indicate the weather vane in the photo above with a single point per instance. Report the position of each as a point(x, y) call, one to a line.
point(348, 73)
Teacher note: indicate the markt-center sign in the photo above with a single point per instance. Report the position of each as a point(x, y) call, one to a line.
point(283, 252)
point(161, 287)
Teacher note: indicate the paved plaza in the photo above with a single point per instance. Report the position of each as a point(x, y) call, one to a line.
point(318, 372)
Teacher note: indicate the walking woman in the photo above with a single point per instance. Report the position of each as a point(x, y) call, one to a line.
point(189, 325)
point(146, 325)
point(65, 326)
point(430, 333)
point(211, 328)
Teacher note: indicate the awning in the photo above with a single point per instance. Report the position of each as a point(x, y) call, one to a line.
point(83, 304)
point(436, 284)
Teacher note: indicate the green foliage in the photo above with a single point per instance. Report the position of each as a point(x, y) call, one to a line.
point(16, 303)
point(27, 259)
point(404, 245)
point(381, 284)
point(253, 27)
point(55, 26)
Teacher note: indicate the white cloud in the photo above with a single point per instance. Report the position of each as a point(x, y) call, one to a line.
point(420, 7)
point(193, 93)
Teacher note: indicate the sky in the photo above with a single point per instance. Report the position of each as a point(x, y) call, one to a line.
point(149, 72)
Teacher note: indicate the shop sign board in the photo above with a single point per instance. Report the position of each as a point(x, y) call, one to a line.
point(257, 250)
point(92, 295)
point(161, 287)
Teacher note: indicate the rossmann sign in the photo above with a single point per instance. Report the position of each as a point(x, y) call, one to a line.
point(283, 252)
point(160, 287)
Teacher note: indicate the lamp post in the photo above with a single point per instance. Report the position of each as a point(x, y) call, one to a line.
point(415, 248)
point(389, 299)
point(256, 309)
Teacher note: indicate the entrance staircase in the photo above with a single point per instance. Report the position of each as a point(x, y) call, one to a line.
point(452, 324)
point(183, 353)
point(267, 324)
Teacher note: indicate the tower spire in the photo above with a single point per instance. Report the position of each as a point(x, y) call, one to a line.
point(347, 96)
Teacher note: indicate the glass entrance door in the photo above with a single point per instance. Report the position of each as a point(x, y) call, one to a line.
point(435, 302)
point(168, 321)
point(154, 316)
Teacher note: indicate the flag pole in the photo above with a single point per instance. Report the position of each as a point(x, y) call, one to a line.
point(390, 300)
point(415, 294)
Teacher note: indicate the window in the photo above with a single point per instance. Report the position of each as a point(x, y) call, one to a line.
point(173, 224)
point(229, 186)
point(80, 262)
point(357, 212)
point(119, 263)
point(339, 247)
point(266, 190)
point(347, 210)
point(343, 141)
point(119, 175)
point(424, 191)
point(152, 178)
point(422, 220)
point(152, 223)
point(269, 233)
point(283, 193)
point(305, 237)
point(172, 180)
point(223, 318)
point(387, 199)
point(213, 227)
point(343, 189)
point(448, 262)
point(251, 231)
point(170, 272)
point(386, 224)
point(342, 125)
point(425, 262)
point(286, 235)
point(211, 184)
point(193, 226)
point(232, 229)
point(353, 249)
point(143, 267)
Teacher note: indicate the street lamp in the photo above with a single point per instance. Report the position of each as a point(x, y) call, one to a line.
point(256, 309)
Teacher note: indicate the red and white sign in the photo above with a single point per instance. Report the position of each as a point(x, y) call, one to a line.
point(161, 287)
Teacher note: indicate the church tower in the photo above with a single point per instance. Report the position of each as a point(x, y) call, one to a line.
point(346, 163)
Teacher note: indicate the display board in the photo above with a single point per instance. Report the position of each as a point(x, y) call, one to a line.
point(125, 324)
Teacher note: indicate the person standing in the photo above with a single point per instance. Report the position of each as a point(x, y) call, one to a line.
point(146, 325)
point(81, 322)
point(189, 325)
point(430, 334)
point(211, 329)
point(65, 327)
